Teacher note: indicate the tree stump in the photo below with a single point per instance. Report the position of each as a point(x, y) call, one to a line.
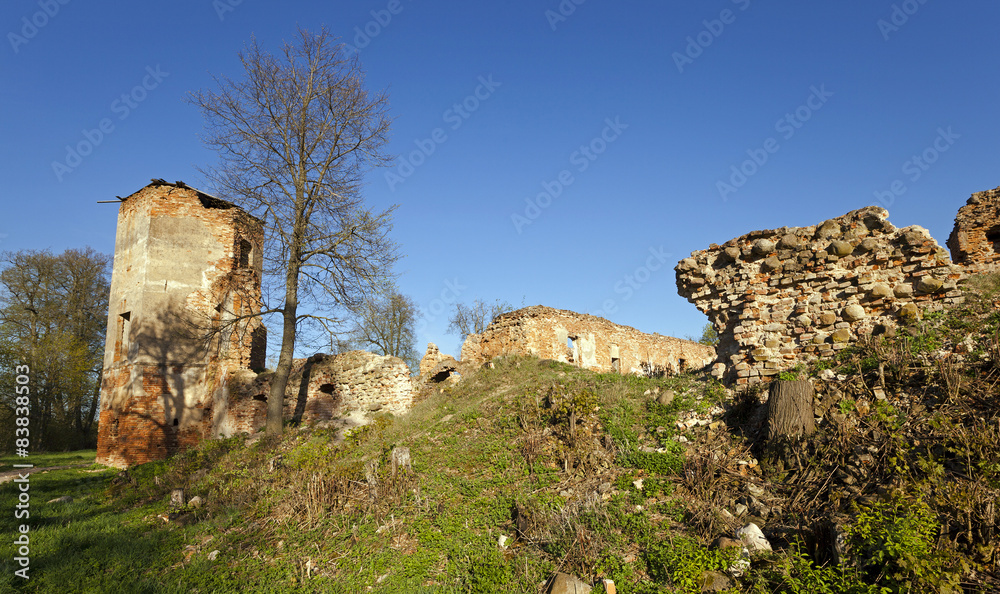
point(790, 409)
point(400, 459)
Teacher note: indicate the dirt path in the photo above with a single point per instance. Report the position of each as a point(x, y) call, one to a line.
point(7, 476)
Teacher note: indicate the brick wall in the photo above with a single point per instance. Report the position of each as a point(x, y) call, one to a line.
point(185, 264)
point(975, 240)
point(147, 427)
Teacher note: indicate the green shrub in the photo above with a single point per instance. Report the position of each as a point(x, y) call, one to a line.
point(683, 561)
point(795, 573)
point(895, 542)
point(582, 402)
point(489, 572)
point(794, 374)
point(666, 463)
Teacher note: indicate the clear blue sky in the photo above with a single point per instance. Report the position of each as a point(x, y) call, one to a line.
point(629, 114)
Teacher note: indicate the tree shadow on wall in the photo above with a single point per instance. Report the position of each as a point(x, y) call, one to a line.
point(171, 354)
point(303, 394)
point(323, 410)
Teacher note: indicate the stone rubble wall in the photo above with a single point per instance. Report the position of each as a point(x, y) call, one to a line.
point(785, 296)
point(321, 388)
point(431, 358)
point(471, 350)
point(597, 344)
point(975, 240)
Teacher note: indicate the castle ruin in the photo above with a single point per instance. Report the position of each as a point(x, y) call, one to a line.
point(185, 345)
point(583, 340)
point(781, 297)
point(185, 342)
point(184, 290)
point(975, 240)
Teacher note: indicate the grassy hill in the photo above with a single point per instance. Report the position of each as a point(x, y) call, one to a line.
point(532, 467)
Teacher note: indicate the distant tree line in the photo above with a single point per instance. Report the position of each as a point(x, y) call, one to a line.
point(53, 315)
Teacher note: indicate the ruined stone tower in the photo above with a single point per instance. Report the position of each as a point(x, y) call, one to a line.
point(186, 275)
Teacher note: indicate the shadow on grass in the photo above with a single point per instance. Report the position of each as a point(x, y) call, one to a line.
point(90, 545)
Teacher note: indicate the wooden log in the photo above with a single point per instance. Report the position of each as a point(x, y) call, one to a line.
point(790, 409)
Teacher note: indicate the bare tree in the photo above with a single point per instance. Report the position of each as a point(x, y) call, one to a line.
point(388, 325)
point(295, 138)
point(473, 319)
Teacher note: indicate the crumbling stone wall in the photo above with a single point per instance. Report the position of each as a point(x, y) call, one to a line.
point(975, 240)
point(784, 296)
point(185, 263)
point(322, 388)
point(431, 358)
point(584, 340)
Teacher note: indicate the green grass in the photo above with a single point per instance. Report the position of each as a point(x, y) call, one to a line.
point(81, 457)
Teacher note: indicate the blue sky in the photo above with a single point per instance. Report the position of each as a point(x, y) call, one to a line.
point(558, 153)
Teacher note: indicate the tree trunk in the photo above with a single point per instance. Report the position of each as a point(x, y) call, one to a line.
point(276, 397)
point(94, 404)
point(790, 409)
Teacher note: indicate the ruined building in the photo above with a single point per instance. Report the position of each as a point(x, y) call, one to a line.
point(346, 388)
point(183, 345)
point(785, 296)
point(583, 340)
point(975, 240)
point(185, 264)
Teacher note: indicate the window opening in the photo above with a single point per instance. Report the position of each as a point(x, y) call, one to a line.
point(124, 326)
point(993, 236)
point(246, 248)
